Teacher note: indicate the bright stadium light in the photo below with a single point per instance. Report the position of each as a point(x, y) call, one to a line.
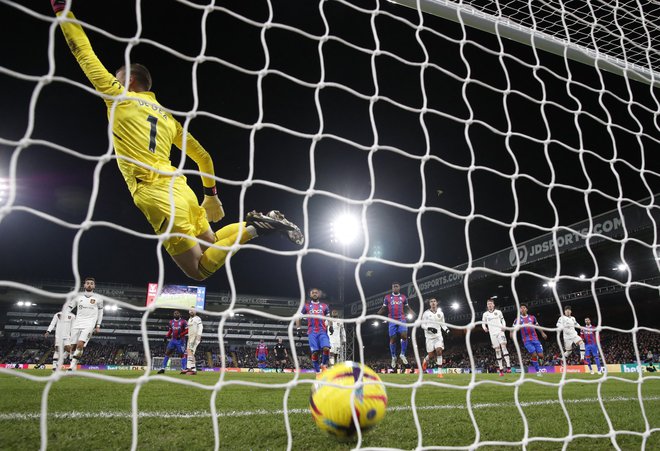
point(621, 267)
point(376, 323)
point(582, 276)
point(345, 229)
point(455, 306)
point(20, 303)
point(409, 316)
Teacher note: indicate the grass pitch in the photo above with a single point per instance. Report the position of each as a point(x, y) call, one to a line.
point(86, 412)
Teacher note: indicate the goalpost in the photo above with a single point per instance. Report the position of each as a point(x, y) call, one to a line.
point(393, 90)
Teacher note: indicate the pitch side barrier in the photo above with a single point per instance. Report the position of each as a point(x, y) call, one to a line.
point(610, 368)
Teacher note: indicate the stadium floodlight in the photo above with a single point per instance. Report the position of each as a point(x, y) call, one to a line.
point(582, 276)
point(345, 229)
point(621, 267)
point(20, 303)
point(455, 306)
point(409, 316)
point(376, 323)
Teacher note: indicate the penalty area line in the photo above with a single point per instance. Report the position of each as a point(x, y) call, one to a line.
point(16, 416)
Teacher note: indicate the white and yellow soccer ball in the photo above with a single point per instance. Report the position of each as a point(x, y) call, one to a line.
point(331, 404)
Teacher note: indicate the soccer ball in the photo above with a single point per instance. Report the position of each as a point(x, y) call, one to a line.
point(331, 405)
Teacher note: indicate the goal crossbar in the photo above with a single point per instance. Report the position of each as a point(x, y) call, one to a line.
point(507, 28)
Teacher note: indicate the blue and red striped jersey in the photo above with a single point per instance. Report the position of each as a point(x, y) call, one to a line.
point(396, 304)
point(177, 328)
point(262, 349)
point(315, 325)
point(528, 333)
point(589, 336)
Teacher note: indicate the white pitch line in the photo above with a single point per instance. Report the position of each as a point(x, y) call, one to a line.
point(247, 413)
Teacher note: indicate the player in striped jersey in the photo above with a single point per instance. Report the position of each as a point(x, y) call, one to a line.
point(261, 354)
point(177, 328)
point(62, 323)
point(396, 306)
point(591, 337)
point(529, 336)
point(317, 334)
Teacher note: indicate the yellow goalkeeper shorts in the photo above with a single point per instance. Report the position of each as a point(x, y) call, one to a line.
point(153, 199)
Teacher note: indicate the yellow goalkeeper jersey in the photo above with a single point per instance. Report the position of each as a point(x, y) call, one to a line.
point(142, 129)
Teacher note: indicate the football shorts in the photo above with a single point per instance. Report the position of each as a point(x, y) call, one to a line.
point(433, 343)
point(318, 341)
point(534, 346)
point(591, 350)
point(193, 343)
point(153, 199)
point(82, 334)
point(395, 328)
point(62, 341)
point(498, 339)
point(570, 341)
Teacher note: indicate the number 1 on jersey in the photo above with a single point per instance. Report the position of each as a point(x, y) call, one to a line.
point(153, 120)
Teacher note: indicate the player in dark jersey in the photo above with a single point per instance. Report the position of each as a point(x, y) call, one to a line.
point(281, 355)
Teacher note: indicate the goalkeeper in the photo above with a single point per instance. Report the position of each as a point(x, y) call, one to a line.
point(143, 134)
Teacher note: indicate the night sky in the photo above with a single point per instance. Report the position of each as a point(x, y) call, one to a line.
point(456, 161)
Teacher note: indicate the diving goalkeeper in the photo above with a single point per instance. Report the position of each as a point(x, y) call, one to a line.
point(143, 134)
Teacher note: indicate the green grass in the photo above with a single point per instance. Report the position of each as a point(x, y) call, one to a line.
point(88, 413)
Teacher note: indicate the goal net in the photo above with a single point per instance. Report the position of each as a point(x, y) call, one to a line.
point(451, 130)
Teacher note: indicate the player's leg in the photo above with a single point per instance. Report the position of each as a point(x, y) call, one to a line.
point(392, 330)
point(83, 339)
point(324, 343)
point(505, 351)
point(568, 348)
point(587, 359)
point(182, 349)
point(67, 351)
point(498, 353)
point(315, 347)
point(580, 344)
point(438, 355)
point(56, 356)
point(168, 353)
point(403, 331)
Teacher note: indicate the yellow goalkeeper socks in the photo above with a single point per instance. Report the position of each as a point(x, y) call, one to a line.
point(213, 258)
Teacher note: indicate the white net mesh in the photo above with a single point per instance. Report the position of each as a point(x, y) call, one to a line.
point(430, 130)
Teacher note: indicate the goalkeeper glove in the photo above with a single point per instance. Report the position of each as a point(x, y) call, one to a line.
point(331, 330)
point(58, 5)
point(433, 330)
point(212, 205)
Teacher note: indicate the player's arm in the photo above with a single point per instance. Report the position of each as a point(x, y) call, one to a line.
point(328, 323)
point(52, 325)
point(99, 316)
point(408, 309)
point(484, 326)
point(200, 329)
point(199, 155)
point(512, 332)
point(102, 80)
point(443, 324)
point(543, 334)
point(185, 330)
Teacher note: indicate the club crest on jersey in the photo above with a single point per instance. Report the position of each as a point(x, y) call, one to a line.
point(92, 301)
